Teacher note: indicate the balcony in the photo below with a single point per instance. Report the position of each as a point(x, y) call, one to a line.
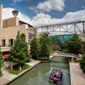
point(4, 49)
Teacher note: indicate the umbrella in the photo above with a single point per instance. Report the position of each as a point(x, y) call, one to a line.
point(30, 51)
point(4, 56)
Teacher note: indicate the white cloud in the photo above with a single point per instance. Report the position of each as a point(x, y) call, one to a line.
point(17, 1)
point(45, 19)
point(14, 1)
point(78, 15)
point(7, 13)
point(50, 5)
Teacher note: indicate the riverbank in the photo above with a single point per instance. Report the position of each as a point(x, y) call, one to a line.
point(76, 74)
point(7, 77)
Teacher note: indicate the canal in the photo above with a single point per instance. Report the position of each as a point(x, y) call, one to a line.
point(39, 75)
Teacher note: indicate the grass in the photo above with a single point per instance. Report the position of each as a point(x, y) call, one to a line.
point(24, 66)
point(1, 74)
point(14, 72)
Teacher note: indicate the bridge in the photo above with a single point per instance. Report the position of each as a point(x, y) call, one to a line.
point(68, 55)
point(64, 28)
point(71, 26)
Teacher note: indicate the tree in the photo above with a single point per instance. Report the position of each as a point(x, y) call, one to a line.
point(1, 61)
point(54, 41)
point(45, 43)
point(45, 36)
point(54, 47)
point(34, 46)
point(44, 49)
point(19, 52)
point(83, 46)
point(74, 45)
point(82, 63)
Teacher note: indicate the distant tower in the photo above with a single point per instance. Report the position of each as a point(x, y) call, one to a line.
point(15, 13)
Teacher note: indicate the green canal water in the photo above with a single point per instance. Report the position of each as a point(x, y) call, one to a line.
point(39, 75)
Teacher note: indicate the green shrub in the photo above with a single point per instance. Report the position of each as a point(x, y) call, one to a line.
point(82, 63)
point(1, 73)
point(25, 66)
point(14, 72)
point(65, 51)
point(57, 51)
point(77, 60)
point(58, 47)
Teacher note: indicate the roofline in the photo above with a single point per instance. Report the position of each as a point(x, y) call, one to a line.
point(25, 23)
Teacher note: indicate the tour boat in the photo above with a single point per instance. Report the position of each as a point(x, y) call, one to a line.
point(56, 76)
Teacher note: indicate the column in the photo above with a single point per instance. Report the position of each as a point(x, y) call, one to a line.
point(1, 13)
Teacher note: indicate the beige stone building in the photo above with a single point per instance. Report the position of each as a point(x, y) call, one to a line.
point(9, 29)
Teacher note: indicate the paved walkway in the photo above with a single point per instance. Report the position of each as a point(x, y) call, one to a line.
point(7, 76)
point(77, 77)
point(3, 80)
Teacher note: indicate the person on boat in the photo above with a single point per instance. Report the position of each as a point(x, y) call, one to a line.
point(52, 73)
point(57, 73)
point(51, 78)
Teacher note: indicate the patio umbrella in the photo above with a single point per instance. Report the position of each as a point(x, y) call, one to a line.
point(30, 51)
point(4, 56)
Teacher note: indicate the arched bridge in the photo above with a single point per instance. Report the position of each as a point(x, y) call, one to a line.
point(68, 55)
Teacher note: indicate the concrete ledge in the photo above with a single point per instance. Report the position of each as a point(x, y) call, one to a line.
point(23, 72)
point(70, 73)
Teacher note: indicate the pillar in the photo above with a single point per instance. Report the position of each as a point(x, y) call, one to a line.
point(35, 32)
point(1, 13)
point(72, 59)
point(27, 33)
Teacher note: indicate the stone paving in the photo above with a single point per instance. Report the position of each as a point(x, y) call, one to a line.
point(3, 80)
point(77, 76)
point(7, 76)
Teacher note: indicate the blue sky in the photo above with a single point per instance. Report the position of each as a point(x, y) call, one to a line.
point(41, 12)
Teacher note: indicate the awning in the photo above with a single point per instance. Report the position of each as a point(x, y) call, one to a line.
point(4, 56)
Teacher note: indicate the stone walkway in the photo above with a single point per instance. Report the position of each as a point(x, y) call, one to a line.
point(77, 76)
point(7, 76)
point(3, 80)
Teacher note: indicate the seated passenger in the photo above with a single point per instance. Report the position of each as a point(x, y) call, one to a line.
point(54, 74)
point(51, 78)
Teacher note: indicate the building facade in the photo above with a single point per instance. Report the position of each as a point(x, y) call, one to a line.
point(9, 29)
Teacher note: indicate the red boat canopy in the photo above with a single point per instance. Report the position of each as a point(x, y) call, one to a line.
point(4, 56)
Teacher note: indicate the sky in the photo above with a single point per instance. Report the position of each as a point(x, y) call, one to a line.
point(45, 12)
